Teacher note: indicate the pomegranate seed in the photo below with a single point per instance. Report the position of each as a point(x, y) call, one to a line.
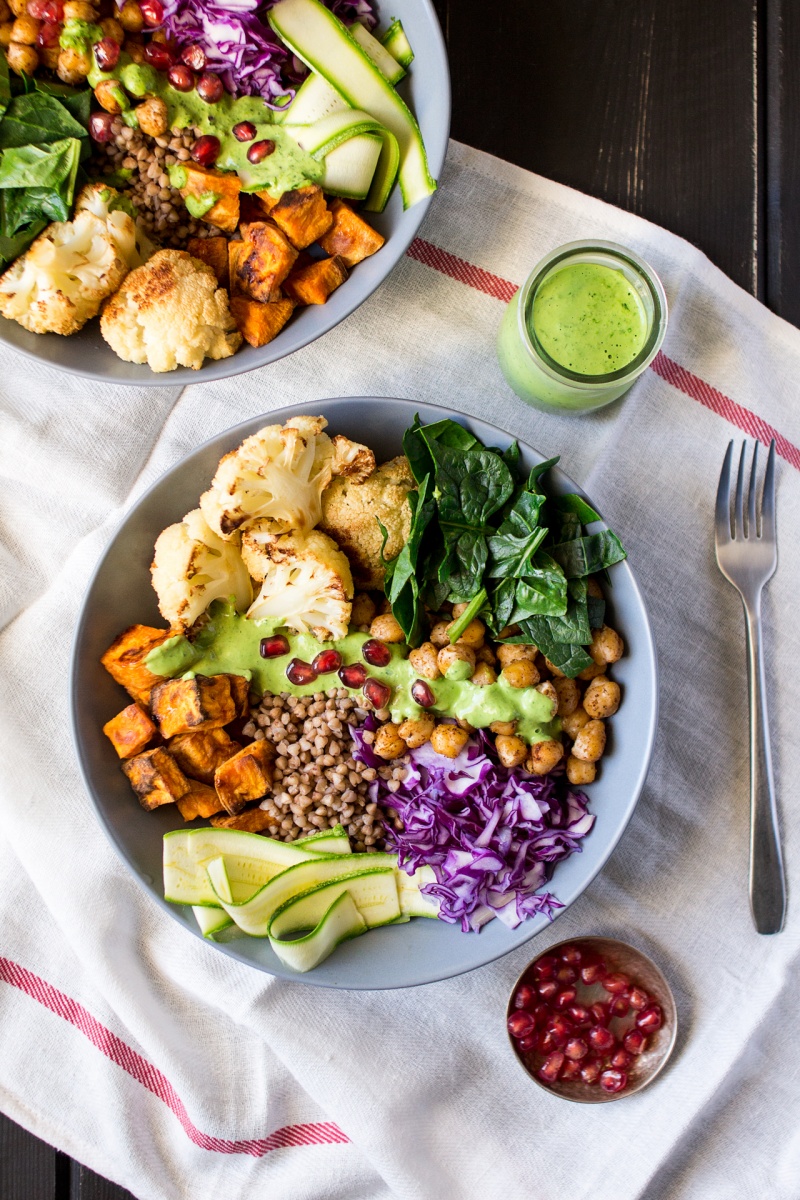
point(649, 1019)
point(527, 1043)
point(613, 1080)
point(206, 150)
point(194, 56)
point(621, 1059)
point(548, 989)
point(100, 127)
point(600, 1038)
point(579, 1015)
point(245, 131)
point(422, 693)
point(545, 968)
point(152, 11)
point(590, 1071)
point(209, 87)
point(548, 1043)
point(36, 9)
point(327, 661)
point(106, 53)
point(600, 1013)
point(53, 11)
point(376, 653)
point(566, 974)
point(354, 676)
point(616, 984)
point(550, 1067)
point(158, 56)
point(638, 999)
point(634, 1041)
point(594, 972)
point(571, 955)
point(525, 998)
point(274, 647)
point(521, 1024)
point(570, 1070)
point(576, 1048)
point(299, 672)
point(181, 78)
point(565, 998)
point(260, 150)
point(377, 693)
point(619, 1005)
point(49, 35)
point(542, 1013)
point(560, 1027)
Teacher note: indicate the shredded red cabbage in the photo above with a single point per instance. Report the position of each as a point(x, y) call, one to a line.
point(241, 47)
point(492, 834)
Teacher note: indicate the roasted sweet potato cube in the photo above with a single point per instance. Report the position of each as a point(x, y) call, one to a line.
point(200, 801)
point(245, 777)
point(266, 201)
point(156, 778)
point(252, 820)
point(259, 323)
point(251, 208)
point(314, 283)
point(130, 731)
point(303, 215)
point(189, 705)
point(237, 253)
point(124, 659)
point(214, 251)
point(240, 690)
point(269, 259)
point(199, 754)
point(203, 181)
point(350, 236)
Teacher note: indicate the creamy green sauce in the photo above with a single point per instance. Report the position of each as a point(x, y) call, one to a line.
point(229, 644)
point(287, 167)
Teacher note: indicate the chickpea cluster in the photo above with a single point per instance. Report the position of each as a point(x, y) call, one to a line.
point(582, 705)
point(30, 31)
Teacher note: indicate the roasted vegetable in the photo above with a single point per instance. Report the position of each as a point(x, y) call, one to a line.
point(303, 215)
point(251, 820)
point(156, 778)
point(130, 731)
point(260, 323)
point(213, 251)
point(193, 566)
point(199, 754)
point(216, 192)
point(189, 705)
point(314, 283)
point(351, 512)
point(200, 801)
point(265, 259)
point(350, 236)
point(306, 582)
point(246, 776)
point(124, 659)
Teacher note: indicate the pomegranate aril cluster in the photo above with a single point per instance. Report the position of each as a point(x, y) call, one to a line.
point(571, 1039)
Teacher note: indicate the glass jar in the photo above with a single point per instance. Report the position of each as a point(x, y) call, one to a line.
point(589, 319)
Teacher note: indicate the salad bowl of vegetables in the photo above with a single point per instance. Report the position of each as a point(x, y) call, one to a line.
point(408, 760)
point(187, 186)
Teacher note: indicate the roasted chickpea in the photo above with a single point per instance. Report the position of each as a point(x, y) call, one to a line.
point(130, 17)
point(580, 772)
point(555, 671)
point(25, 30)
point(73, 66)
point(458, 609)
point(544, 756)
point(549, 691)
point(449, 740)
point(418, 731)
point(159, 35)
point(607, 646)
point(136, 51)
point(113, 29)
point(590, 742)
point(450, 658)
point(80, 11)
point(18, 7)
point(486, 654)
point(520, 674)
point(5, 33)
point(569, 696)
point(483, 675)
point(110, 95)
point(385, 627)
point(439, 635)
point(601, 698)
point(511, 750)
point(515, 651)
point(425, 661)
point(503, 727)
point(22, 59)
point(154, 119)
point(363, 609)
point(473, 635)
point(462, 724)
point(574, 723)
point(593, 588)
point(48, 56)
point(591, 672)
point(388, 742)
point(5, 12)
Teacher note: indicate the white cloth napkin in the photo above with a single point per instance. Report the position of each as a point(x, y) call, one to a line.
point(183, 1075)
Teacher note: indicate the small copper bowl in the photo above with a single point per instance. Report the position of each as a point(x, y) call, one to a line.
point(623, 958)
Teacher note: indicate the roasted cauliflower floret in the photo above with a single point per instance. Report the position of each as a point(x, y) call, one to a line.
point(277, 477)
point(119, 213)
point(170, 312)
point(72, 267)
point(307, 584)
point(192, 567)
point(350, 513)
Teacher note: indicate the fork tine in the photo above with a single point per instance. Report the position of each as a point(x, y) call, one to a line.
point(723, 507)
point(738, 503)
point(768, 501)
point(751, 496)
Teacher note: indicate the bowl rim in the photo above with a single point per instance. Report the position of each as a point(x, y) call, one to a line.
point(234, 435)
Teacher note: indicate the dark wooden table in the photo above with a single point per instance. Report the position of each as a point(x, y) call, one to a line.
point(686, 113)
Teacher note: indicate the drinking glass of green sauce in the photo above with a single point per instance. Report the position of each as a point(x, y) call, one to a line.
point(588, 320)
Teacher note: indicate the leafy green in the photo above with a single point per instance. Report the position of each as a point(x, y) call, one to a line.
point(587, 555)
point(5, 85)
point(40, 119)
point(77, 101)
point(12, 247)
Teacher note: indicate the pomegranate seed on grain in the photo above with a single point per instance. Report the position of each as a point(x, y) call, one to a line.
point(245, 131)
point(634, 1041)
point(194, 56)
point(590, 1071)
point(300, 673)
point(594, 972)
point(572, 955)
point(152, 11)
point(521, 1024)
point(260, 150)
point(621, 1059)
point(565, 998)
point(354, 675)
point(206, 150)
point(106, 53)
point(274, 647)
point(377, 693)
point(209, 87)
point(422, 694)
point(638, 999)
point(376, 653)
point(613, 1080)
point(570, 1070)
point(649, 1019)
point(49, 35)
point(525, 997)
point(548, 989)
point(101, 127)
point(181, 78)
point(158, 56)
point(550, 1067)
point(615, 984)
point(600, 1038)
point(545, 968)
point(327, 661)
point(576, 1048)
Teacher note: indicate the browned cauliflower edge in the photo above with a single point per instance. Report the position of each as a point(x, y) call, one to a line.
point(350, 514)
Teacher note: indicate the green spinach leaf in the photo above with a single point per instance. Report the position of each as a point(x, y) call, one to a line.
point(39, 166)
point(5, 85)
point(40, 119)
point(12, 247)
point(588, 555)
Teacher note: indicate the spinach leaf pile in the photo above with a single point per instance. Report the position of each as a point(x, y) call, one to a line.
point(482, 535)
point(43, 140)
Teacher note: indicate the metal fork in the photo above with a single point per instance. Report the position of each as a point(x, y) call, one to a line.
point(747, 555)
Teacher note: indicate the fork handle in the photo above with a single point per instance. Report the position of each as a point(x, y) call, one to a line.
point(767, 884)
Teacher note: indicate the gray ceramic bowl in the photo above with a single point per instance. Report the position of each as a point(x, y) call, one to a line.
point(427, 90)
point(120, 595)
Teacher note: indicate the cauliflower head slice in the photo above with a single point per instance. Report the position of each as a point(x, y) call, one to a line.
point(119, 214)
point(277, 476)
point(191, 567)
point(306, 584)
point(170, 312)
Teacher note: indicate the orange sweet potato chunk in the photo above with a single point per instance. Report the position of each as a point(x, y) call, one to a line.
point(200, 801)
point(124, 659)
point(252, 820)
point(245, 777)
point(190, 705)
point(199, 754)
point(303, 215)
point(313, 284)
point(350, 236)
point(240, 690)
point(130, 731)
point(156, 778)
point(214, 252)
point(259, 323)
point(264, 261)
point(201, 181)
